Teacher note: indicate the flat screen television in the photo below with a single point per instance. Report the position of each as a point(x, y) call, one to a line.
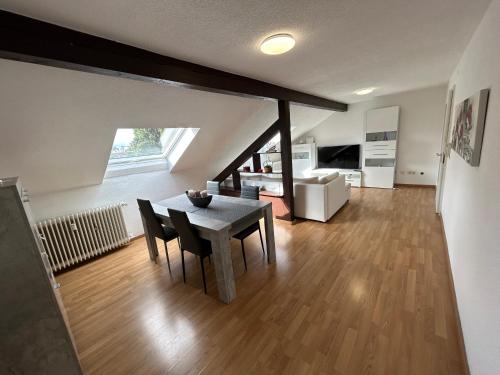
point(342, 157)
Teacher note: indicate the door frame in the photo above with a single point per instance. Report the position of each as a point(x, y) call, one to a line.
point(445, 148)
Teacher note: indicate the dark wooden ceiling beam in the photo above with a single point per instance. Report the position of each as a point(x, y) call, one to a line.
point(30, 40)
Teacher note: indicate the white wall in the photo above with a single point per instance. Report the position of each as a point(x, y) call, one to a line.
point(57, 126)
point(420, 127)
point(151, 185)
point(471, 205)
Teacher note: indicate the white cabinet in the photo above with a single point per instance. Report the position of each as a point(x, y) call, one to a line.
point(380, 147)
point(382, 119)
point(380, 154)
point(378, 177)
point(303, 158)
point(384, 145)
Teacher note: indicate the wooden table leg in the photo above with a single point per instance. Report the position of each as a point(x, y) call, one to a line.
point(221, 251)
point(269, 225)
point(150, 241)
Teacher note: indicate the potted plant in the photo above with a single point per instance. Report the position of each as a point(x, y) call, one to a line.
point(268, 166)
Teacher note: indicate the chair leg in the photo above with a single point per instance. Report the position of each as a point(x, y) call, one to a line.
point(183, 267)
point(203, 275)
point(166, 253)
point(244, 256)
point(261, 242)
point(209, 259)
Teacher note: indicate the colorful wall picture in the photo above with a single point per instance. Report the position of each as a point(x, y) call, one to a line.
point(467, 136)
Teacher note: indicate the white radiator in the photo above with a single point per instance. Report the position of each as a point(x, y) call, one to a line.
point(72, 239)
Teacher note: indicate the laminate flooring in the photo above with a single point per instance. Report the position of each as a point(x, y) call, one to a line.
point(366, 293)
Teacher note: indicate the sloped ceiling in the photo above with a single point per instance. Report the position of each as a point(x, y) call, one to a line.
point(342, 45)
point(302, 120)
point(57, 126)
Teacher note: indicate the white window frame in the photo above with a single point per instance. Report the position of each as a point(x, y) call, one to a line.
point(142, 164)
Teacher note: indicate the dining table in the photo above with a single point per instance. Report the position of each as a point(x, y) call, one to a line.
point(223, 218)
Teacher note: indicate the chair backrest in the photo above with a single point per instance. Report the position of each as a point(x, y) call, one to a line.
point(250, 192)
point(213, 187)
point(152, 222)
point(190, 239)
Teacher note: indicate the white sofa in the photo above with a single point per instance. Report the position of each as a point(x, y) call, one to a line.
point(320, 198)
point(316, 196)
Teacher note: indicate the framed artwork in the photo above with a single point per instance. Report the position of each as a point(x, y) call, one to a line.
point(467, 136)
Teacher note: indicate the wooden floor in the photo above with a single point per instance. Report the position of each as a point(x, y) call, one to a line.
point(366, 293)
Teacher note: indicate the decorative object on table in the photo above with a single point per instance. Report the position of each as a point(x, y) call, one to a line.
point(246, 168)
point(199, 198)
point(467, 136)
point(268, 166)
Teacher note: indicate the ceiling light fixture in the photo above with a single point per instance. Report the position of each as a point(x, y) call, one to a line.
point(364, 91)
point(277, 44)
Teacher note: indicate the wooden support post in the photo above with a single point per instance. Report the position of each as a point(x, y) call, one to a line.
point(236, 180)
point(286, 157)
point(256, 162)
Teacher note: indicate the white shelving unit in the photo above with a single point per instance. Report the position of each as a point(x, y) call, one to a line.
point(304, 157)
point(380, 147)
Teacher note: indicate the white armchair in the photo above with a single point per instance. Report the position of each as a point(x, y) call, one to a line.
point(320, 201)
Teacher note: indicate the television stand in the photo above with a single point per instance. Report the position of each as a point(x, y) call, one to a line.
point(352, 176)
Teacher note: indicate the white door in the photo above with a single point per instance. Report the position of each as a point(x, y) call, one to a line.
point(443, 155)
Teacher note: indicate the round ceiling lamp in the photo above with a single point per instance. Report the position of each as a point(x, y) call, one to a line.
point(277, 44)
point(365, 91)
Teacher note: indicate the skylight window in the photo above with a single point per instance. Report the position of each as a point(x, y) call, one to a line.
point(147, 149)
point(133, 143)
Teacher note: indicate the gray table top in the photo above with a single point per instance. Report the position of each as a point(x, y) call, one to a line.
point(223, 212)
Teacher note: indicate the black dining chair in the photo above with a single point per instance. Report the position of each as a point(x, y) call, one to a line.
point(213, 187)
point(190, 241)
point(249, 192)
point(154, 226)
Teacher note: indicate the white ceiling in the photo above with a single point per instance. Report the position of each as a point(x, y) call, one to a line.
point(342, 45)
